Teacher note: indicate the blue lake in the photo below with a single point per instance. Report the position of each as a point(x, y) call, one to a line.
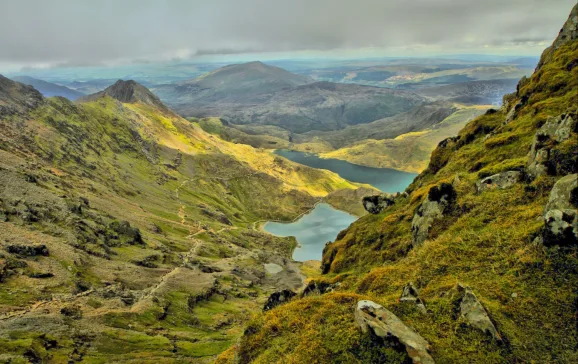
point(323, 223)
point(385, 179)
point(313, 230)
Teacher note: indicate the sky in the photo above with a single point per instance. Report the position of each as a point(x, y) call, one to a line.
point(85, 32)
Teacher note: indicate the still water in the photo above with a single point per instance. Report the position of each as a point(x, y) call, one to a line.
point(385, 179)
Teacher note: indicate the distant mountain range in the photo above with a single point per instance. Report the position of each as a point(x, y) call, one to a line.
point(256, 93)
point(49, 89)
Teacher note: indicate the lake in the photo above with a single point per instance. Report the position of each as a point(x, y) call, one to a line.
point(313, 230)
point(385, 179)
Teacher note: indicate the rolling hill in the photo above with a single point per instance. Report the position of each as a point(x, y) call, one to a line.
point(255, 93)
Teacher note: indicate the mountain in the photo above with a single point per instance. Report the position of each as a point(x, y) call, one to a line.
point(254, 93)
point(476, 262)
point(17, 97)
point(471, 93)
point(130, 234)
point(49, 89)
point(128, 92)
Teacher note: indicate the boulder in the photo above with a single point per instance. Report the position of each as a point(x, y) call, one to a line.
point(439, 201)
point(499, 181)
point(475, 315)
point(561, 213)
point(542, 160)
point(370, 316)
point(278, 298)
point(378, 203)
point(411, 294)
point(315, 287)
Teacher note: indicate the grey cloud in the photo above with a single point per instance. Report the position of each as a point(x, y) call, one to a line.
point(81, 32)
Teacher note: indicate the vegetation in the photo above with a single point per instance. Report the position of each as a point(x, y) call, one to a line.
point(486, 241)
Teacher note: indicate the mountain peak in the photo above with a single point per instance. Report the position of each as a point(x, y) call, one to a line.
point(16, 97)
point(130, 92)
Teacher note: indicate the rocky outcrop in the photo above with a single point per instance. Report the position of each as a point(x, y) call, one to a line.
point(474, 314)
point(28, 250)
point(561, 213)
point(411, 294)
point(499, 181)
point(542, 159)
point(439, 201)
point(319, 287)
point(370, 316)
point(378, 203)
point(278, 298)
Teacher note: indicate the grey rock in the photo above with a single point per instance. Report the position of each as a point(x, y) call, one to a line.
point(384, 324)
point(475, 315)
point(500, 180)
point(378, 203)
point(411, 294)
point(561, 213)
point(278, 298)
point(439, 201)
point(555, 131)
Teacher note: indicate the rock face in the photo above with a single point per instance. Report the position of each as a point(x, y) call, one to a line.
point(278, 298)
point(500, 180)
point(370, 316)
point(561, 213)
point(542, 160)
point(378, 203)
point(411, 294)
point(472, 311)
point(439, 201)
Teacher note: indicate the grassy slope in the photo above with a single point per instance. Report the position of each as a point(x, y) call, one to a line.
point(408, 152)
point(192, 283)
point(529, 290)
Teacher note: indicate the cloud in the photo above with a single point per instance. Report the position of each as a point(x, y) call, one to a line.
point(89, 32)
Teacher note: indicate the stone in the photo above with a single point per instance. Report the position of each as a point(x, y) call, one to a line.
point(370, 316)
point(278, 298)
point(411, 294)
point(439, 201)
point(315, 287)
point(541, 160)
point(499, 181)
point(475, 315)
point(376, 204)
point(561, 213)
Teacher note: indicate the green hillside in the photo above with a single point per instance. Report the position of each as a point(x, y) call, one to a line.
point(510, 240)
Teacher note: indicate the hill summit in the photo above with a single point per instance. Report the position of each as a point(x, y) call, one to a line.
point(130, 92)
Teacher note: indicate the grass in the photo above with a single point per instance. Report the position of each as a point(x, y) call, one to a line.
point(486, 243)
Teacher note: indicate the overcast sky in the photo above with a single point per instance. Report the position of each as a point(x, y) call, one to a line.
point(106, 31)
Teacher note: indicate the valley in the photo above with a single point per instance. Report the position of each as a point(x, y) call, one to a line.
point(181, 202)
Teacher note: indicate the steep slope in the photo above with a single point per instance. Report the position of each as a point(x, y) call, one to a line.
point(255, 93)
point(478, 257)
point(49, 89)
point(128, 232)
